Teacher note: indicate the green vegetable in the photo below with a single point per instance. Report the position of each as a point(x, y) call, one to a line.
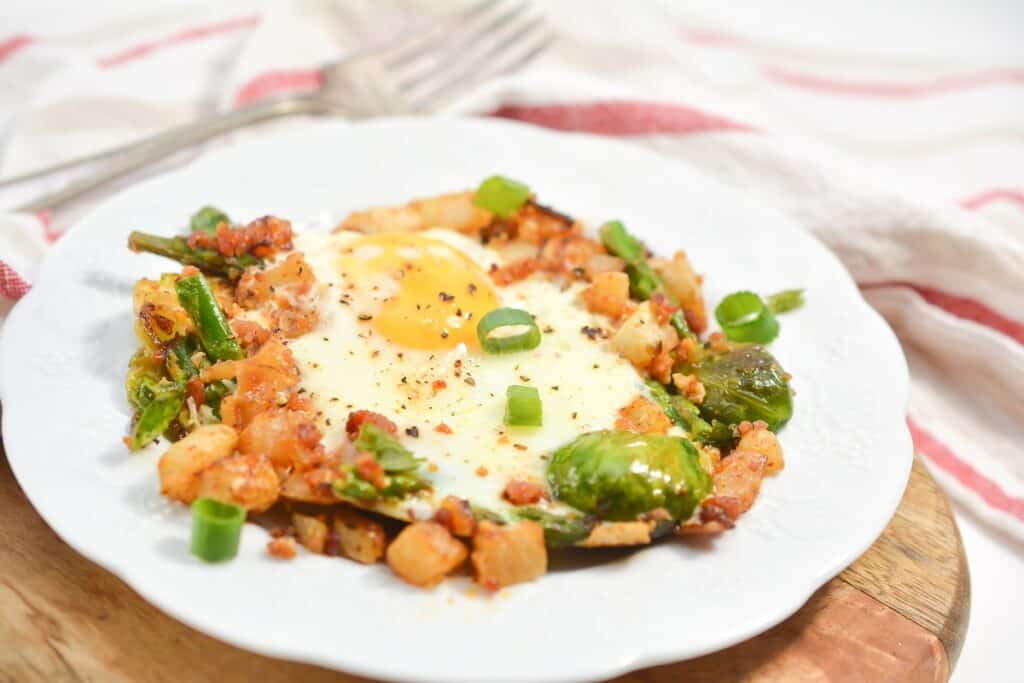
point(144, 375)
point(523, 407)
point(197, 299)
point(560, 531)
point(400, 468)
point(216, 529)
point(207, 219)
point(500, 195)
point(744, 383)
point(643, 280)
point(209, 261)
point(678, 322)
point(690, 419)
point(165, 402)
point(389, 451)
point(515, 318)
point(786, 300)
point(664, 401)
point(745, 318)
point(620, 476)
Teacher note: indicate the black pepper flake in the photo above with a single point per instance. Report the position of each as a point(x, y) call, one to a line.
point(414, 432)
point(404, 381)
point(591, 332)
point(334, 399)
point(472, 288)
point(470, 381)
point(375, 353)
point(548, 329)
point(444, 334)
point(326, 339)
point(365, 316)
point(574, 415)
point(458, 312)
point(554, 388)
point(445, 296)
point(578, 271)
point(524, 378)
point(328, 422)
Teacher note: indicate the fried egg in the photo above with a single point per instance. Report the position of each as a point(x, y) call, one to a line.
point(397, 335)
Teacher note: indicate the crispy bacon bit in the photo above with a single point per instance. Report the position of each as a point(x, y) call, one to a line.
point(514, 272)
point(522, 492)
point(264, 381)
point(685, 350)
point(357, 418)
point(282, 548)
point(438, 384)
point(370, 470)
point(662, 308)
point(188, 271)
point(738, 481)
point(690, 387)
point(195, 390)
point(442, 428)
point(643, 416)
point(456, 515)
point(262, 238)
point(568, 254)
point(250, 335)
point(661, 367)
point(535, 223)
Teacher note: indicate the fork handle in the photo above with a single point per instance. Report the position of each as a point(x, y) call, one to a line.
point(148, 150)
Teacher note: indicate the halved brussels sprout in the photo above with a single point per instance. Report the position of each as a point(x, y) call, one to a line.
point(744, 383)
point(621, 476)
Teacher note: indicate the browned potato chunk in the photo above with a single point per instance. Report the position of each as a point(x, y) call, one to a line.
point(608, 295)
point(185, 459)
point(456, 515)
point(311, 532)
point(641, 338)
point(513, 553)
point(424, 553)
point(760, 440)
point(359, 537)
point(246, 480)
point(608, 534)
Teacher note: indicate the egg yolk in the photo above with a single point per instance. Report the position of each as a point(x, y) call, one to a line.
point(432, 295)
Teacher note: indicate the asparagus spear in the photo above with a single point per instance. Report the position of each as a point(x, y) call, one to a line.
point(643, 280)
point(206, 260)
point(197, 299)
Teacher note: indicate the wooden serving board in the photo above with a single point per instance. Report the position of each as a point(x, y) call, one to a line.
point(899, 613)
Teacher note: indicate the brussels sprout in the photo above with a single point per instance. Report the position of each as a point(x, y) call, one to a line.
point(744, 383)
point(207, 219)
point(142, 381)
point(620, 476)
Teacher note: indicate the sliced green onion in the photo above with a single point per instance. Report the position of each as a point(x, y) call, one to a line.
point(510, 341)
point(523, 407)
point(196, 297)
point(216, 529)
point(500, 195)
point(786, 300)
point(207, 219)
point(745, 318)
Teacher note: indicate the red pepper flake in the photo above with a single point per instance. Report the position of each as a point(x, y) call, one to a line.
point(443, 429)
point(519, 446)
point(438, 384)
point(481, 471)
point(520, 492)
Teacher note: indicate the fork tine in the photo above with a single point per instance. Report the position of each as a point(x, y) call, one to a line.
point(450, 46)
point(502, 56)
point(433, 42)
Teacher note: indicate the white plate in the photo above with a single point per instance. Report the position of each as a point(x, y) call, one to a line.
point(848, 453)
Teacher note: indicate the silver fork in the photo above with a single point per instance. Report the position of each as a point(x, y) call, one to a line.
point(410, 75)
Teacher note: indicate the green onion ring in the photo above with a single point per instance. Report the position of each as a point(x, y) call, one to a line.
point(216, 529)
point(745, 318)
point(523, 407)
point(501, 196)
point(507, 317)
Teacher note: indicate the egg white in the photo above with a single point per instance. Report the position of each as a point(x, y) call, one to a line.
point(346, 365)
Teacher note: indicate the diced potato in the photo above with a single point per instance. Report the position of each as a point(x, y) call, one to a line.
point(311, 531)
point(359, 537)
point(246, 480)
point(185, 459)
point(424, 553)
point(608, 295)
point(738, 481)
point(513, 553)
point(682, 281)
point(763, 441)
point(603, 263)
point(609, 534)
point(288, 438)
point(313, 486)
point(641, 338)
point(456, 515)
point(455, 211)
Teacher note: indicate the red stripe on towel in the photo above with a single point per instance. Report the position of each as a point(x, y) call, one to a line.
point(962, 307)
point(949, 462)
point(621, 117)
point(279, 82)
point(980, 200)
point(935, 86)
point(12, 285)
point(9, 46)
point(185, 36)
